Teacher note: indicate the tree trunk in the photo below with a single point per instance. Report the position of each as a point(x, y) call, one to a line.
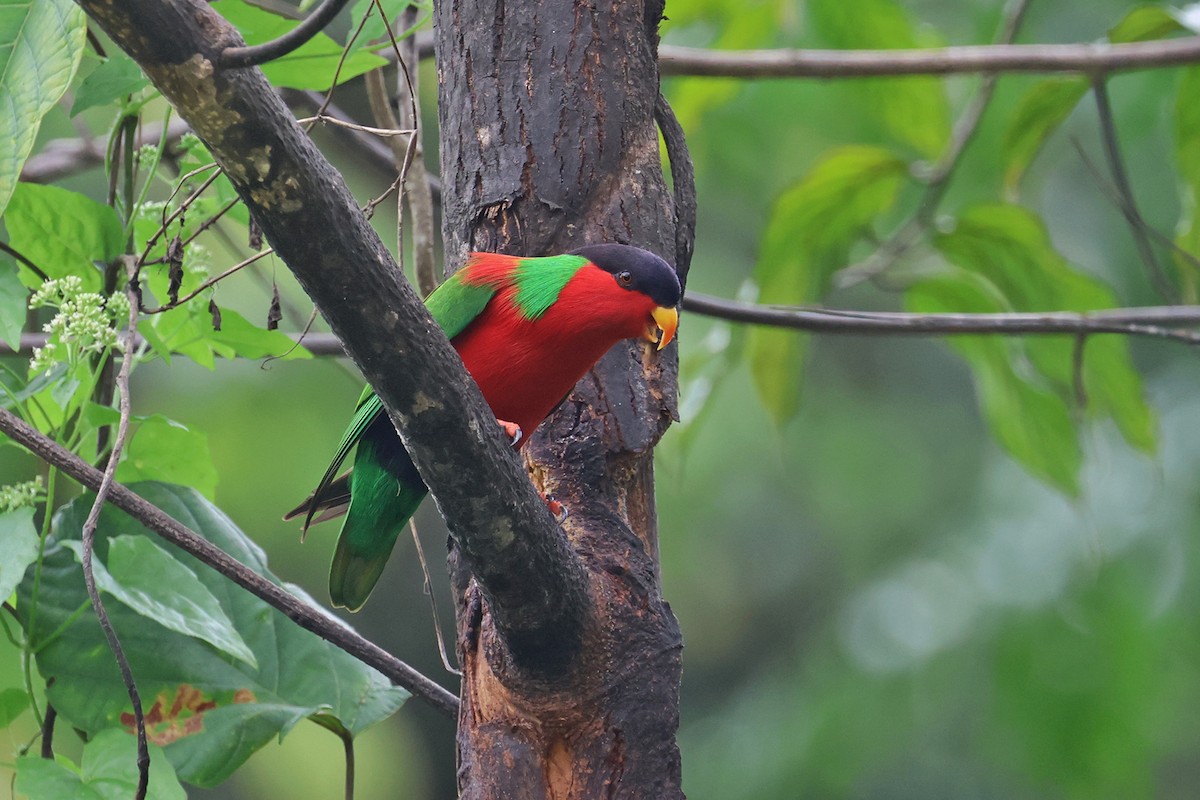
point(548, 142)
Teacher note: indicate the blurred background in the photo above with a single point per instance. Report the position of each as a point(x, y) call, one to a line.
point(876, 601)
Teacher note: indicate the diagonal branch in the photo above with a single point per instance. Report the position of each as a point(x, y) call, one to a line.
point(176, 533)
point(533, 581)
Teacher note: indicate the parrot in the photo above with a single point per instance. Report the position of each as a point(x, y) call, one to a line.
point(526, 329)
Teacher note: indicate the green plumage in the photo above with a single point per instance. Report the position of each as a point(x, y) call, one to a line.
point(540, 281)
point(384, 489)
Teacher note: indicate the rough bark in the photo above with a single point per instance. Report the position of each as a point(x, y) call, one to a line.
point(548, 143)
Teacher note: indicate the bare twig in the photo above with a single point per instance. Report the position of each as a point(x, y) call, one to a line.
point(437, 619)
point(235, 57)
point(418, 196)
point(1099, 58)
point(89, 542)
point(155, 519)
point(327, 119)
point(1125, 198)
point(1160, 322)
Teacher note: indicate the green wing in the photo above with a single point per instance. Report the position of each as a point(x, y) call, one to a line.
point(453, 305)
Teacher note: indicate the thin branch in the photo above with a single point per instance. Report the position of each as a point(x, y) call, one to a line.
point(437, 618)
point(1159, 322)
point(327, 119)
point(89, 543)
point(1099, 58)
point(158, 521)
point(237, 57)
point(683, 184)
point(1128, 205)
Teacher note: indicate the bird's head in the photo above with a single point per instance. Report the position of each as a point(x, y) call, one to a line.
point(640, 271)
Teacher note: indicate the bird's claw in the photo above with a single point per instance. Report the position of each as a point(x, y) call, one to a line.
point(512, 430)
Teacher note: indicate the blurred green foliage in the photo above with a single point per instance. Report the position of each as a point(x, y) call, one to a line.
point(904, 568)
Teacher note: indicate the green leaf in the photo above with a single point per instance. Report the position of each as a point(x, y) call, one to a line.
point(1039, 113)
point(812, 227)
point(13, 297)
point(188, 330)
point(1006, 262)
point(1028, 420)
point(148, 580)
point(913, 110)
point(1144, 23)
point(63, 232)
point(310, 66)
point(40, 47)
point(18, 548)
point(109, 772)
point(247, 340)
point(1187, 158)
point(210, 712)
point(13, 703)
point(375, 29)
point(164, 450)
point(117, 76)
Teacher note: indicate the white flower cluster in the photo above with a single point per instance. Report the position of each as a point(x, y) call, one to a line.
point(86, 322)
point(20, 495)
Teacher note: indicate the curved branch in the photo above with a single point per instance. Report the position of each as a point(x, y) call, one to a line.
point(236, 57)
point(304, 615)
point(1088, 59)
point(1159, 322)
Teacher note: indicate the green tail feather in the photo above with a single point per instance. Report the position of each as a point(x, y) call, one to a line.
point(380, 505)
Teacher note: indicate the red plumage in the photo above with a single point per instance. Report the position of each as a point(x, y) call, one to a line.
point(526, 367)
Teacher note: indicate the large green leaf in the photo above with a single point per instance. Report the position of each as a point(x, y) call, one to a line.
point(809, 235)
point(151, 582)
point(63, 232)
point(310, 66)
point(18, 548)
point(108, 772)
point(41, 42)
point(162, 449)
point(1029, 420)
point(1039, 113)
point(208, 710)
point(188, 330)
point(1006, 262)
point(913, 110)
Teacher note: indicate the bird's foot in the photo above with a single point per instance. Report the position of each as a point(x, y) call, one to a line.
point(557, 509)
point(512, 430)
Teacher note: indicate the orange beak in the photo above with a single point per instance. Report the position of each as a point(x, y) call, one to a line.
point(666, 320)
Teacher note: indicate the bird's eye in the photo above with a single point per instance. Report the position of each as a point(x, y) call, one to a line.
point(625, 278)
